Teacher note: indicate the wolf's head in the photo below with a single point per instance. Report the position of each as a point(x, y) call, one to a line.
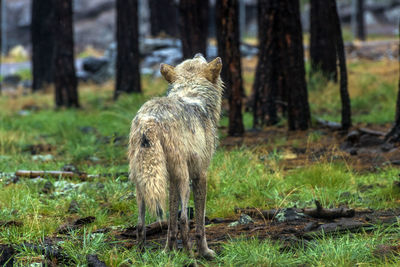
point(193, 70)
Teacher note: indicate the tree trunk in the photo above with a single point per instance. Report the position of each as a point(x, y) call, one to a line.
point(42, 37)
point(266, 82)
point(394, 134)
point(193, 26)
point(228, 38)
point(66, 92)
point(292, 54)
point(360, 25)
point(163, 17)
point(128, 56)
point(322, 40)
point(344, 93)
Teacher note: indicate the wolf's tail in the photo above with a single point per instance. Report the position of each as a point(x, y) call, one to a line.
point(148, 166)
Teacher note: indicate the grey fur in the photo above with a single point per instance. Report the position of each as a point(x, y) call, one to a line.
point(171, 143)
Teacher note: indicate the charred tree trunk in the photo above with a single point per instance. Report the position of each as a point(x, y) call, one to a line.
point(42, 38)
point(323, 55)
point(228, 38)
point(344, 93)
point(128, 74)
point(163, 17)
point(66, 92)
point(266, 82)
point(292, 54)
point(394, 134)
point(193, 26)
point(360, 25)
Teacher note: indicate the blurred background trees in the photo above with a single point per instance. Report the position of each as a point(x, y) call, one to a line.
point(42, 36)
point(65, 82)
point(227, 21)
point(128, 57)
point(148, 32)
point(193, 25)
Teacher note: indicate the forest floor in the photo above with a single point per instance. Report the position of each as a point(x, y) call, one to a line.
point(274, 176)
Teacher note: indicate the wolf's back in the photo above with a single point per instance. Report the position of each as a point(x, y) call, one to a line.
point(147, 163)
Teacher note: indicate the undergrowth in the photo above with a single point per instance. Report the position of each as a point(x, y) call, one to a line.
point(94, 140)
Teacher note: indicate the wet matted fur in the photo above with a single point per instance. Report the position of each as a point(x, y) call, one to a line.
point(171, 144)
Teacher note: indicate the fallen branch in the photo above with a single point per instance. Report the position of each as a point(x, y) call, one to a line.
point(328, 214)
point(371, 132)
point(66, 174)
point(55, 174)
point(318, 212)
point(256, 213)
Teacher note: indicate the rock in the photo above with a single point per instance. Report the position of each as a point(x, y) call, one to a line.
point(12, 80)
point(243, 220)
point(93, 261)
point(69, 168)
point(170, 55)
point(288, 214)
point(7, 254)
point(93, 65)
point(46, 157)
point(353, 151)
point(353, 137)
point(148, 45)
point(48, 187)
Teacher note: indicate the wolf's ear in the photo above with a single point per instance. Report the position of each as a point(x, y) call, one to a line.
point(168, 72)
point(213, 70)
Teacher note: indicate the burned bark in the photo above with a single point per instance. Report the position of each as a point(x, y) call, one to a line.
point(394, 134)
point(360, 23)
point(323, 56)
point(292, 52)
point(228, 49)
point(42, 37)
point(280, 76)
point(344, 93)
point(163, 17)
point(66, 92)
point(128, 56)
point(267, 82)
point(193, 27)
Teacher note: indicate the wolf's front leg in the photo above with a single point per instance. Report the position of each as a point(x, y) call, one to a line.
point(173, 216)
point(199, 184)
point(141, 225)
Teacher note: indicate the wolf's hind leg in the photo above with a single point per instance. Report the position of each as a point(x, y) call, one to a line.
point(173, 216)
point(184, 192)
point(199, 184)
point(141, 225)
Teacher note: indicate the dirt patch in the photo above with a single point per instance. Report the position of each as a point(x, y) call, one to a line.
point(362, 149)
point(291, 230)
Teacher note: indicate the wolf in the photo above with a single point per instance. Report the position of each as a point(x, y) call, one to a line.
point(171, 143)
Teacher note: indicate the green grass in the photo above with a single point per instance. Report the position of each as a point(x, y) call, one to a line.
point(94, 139)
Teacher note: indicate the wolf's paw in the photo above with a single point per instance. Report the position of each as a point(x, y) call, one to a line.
point(208, 254)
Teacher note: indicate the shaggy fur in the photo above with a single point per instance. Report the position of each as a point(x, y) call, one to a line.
point(172, 141)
